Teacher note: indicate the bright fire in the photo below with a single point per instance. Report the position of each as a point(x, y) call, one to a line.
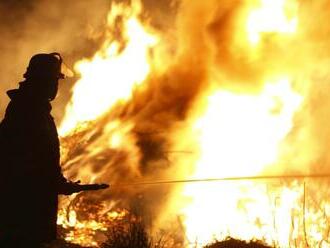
point(105, 80)
point(248, 125)
point(111, 74)
point(272, 17)
point(232, 133)
point(239, 135)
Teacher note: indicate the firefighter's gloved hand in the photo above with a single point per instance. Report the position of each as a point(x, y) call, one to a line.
point(69, 188)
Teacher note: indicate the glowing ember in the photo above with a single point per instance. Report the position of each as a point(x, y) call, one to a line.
point(83, 231)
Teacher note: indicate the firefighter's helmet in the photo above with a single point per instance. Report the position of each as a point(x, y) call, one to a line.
point(45, 65)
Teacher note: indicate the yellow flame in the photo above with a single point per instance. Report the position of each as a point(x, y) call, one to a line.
point(232, 122)
point(82, 232)
point(111, 74)
point(239, 136)
point(109, 77)
point(277, 16)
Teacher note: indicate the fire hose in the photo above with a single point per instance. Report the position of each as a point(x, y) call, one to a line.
point(203, 180)
point(88, 187)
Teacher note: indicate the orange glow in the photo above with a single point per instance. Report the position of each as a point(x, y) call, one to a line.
point(106, 79)
point(82, 232)
point(241, 122)
point(111, 74)
point(251, 126)
point(239, 135)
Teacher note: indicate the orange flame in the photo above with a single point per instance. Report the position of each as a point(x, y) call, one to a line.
point(239, 135)
point(105, 80)
point(111, 74)
point(230, 132)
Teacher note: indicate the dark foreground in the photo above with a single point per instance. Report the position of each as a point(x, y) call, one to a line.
point(229, 243)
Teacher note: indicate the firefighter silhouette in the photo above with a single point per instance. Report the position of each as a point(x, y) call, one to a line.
point(31, 177)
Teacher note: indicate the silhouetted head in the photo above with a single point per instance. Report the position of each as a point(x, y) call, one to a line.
point(43, 72)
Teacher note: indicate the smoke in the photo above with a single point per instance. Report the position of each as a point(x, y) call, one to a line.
point(72, 28)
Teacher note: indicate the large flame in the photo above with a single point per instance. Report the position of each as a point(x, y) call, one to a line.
point(107, 79)
point(112, 73)
point(248, 125)
point(239, 135)
point(227, 93)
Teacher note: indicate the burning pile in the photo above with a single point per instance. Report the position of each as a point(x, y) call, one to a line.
point(238, 91)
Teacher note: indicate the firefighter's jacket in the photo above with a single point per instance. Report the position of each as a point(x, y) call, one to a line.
point(30, 172)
